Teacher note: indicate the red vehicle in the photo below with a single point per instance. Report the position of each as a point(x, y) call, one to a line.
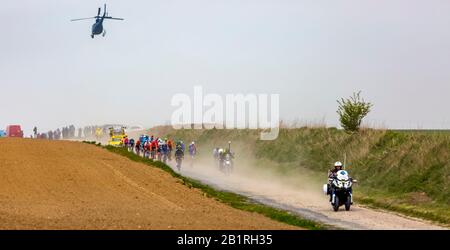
point(14, 131)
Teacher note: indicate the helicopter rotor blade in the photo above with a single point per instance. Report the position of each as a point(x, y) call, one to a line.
point(99, 10)
point(114, 18)
point(78, 19)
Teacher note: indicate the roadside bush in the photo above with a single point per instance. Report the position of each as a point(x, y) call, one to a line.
point(351, 112)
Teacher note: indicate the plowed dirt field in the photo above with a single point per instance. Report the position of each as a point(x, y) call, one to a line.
point(72, 185)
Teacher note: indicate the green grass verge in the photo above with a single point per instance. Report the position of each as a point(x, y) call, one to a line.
point(405, 210)
point(399, 203)
point(231, 199)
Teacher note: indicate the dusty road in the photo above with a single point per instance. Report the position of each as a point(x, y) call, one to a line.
point(306, 200)
point(71, 185)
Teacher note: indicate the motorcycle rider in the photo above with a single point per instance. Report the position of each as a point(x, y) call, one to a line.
point(222, 152)
point(332, 175)
point(222, 155)
point(332, 172)
point(228, 151)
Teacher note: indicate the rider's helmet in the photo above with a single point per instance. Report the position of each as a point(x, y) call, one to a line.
point(220, 150)
point(338, 165)
point(193, 143)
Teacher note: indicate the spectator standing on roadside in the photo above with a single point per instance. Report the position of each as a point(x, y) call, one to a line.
point(35, 131)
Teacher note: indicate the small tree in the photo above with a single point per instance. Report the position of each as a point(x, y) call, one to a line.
point(351, 112)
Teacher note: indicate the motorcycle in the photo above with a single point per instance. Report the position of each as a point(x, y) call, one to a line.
point(340, 189)
point(226, 164)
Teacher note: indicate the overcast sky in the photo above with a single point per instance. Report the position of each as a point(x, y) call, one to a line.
point(310, 52)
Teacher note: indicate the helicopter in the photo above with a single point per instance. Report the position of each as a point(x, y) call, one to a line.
point(97, 27)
